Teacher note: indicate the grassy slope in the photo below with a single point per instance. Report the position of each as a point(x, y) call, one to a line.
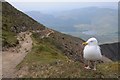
point(13, 18)
point(45, 60)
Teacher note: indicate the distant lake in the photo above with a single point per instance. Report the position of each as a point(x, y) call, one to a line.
point(92, 32)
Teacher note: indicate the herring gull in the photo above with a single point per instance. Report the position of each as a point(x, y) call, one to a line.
point(91, 52)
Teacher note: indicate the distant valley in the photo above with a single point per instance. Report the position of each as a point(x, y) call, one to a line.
point(84, 23)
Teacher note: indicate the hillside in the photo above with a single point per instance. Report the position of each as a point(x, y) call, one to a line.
point(46, 61)
point(53, 54)
point(13, 22)
point(111, 51)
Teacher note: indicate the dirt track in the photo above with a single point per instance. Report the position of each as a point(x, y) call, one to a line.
point(13, 56)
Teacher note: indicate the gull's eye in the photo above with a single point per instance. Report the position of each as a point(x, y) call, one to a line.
point(91, 41)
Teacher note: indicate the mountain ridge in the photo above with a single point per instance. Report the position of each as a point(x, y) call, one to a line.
point(111, 51)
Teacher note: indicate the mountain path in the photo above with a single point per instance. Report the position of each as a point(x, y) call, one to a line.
point(13, 56)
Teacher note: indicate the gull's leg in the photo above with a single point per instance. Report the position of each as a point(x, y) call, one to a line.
point(94, 68)
point(88, 67)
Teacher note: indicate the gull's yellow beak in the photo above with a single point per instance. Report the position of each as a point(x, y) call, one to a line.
point(84, 43)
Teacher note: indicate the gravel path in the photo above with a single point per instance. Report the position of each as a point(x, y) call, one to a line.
point(13, 56)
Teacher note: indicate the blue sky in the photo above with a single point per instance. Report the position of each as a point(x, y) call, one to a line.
point(49, 7)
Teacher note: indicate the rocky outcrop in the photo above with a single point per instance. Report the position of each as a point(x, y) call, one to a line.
point(44, 33)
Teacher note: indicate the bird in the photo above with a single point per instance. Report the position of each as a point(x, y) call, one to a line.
point(91, 52)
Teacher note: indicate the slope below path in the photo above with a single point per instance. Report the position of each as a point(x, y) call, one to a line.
point(13, 56)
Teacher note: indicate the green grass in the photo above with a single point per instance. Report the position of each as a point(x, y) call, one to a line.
point(109, 69)
point(47, 61)
point(43, 53)
point(9, 38)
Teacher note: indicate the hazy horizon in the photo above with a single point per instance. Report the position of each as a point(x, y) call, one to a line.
point(51, 7)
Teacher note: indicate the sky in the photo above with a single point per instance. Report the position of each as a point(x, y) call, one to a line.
point(63, 0)
point(50, 6)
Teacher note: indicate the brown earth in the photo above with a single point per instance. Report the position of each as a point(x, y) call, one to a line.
point(13, 56)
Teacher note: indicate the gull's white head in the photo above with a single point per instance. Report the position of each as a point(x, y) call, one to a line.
point(91, 41)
